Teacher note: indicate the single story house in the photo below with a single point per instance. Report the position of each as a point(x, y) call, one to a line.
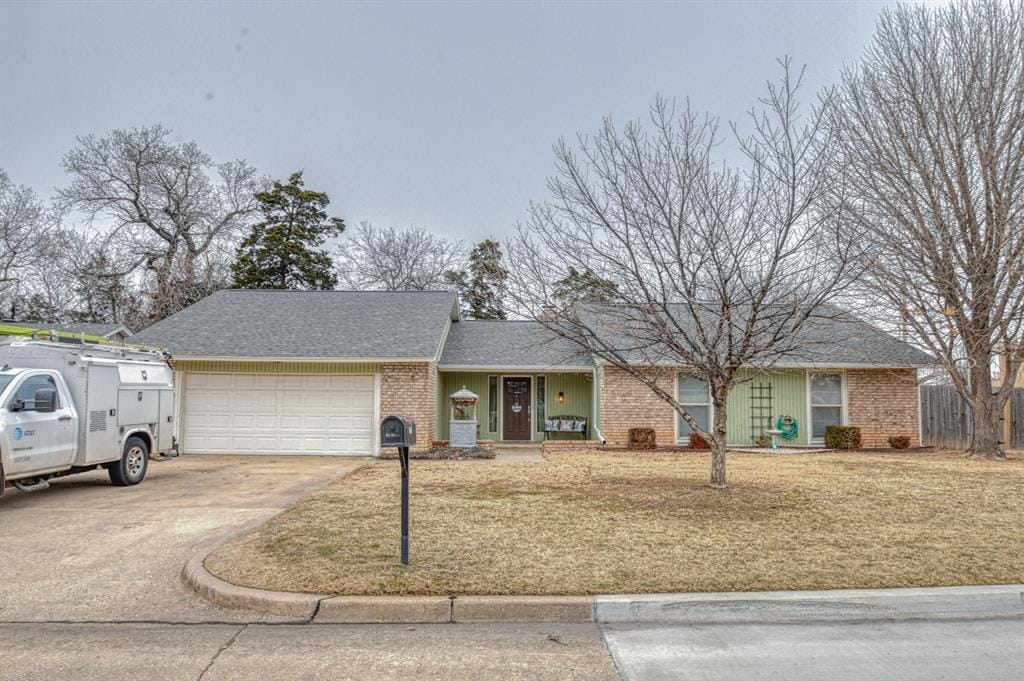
point(280, 372)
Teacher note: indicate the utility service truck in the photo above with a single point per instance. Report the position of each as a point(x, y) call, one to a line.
point(68, 408)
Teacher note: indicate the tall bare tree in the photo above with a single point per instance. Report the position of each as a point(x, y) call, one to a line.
point(168, 203)
point(389, 259)
point(706, 268)
point(931, 134)
point(23, 228)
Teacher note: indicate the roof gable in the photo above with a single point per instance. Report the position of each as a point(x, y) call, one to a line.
point(510, 344)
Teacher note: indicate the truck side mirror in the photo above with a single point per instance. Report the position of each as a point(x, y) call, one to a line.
point(16, 405)
point(46, 400)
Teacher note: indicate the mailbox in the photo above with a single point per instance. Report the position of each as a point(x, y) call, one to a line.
point(397, 431)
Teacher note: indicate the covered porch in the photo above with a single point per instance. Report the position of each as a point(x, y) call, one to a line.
point(524, 406)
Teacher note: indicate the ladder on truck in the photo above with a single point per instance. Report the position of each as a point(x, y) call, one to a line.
point(18, 329)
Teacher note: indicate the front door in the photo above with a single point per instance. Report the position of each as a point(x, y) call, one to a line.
point(516, 412)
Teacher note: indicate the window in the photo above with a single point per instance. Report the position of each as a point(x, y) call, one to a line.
point(540, 404)
point(492, 404)
point(27, 390)
point(694, 396)
point(826, 403)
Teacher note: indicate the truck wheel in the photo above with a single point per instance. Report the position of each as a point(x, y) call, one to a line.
point(131, 469)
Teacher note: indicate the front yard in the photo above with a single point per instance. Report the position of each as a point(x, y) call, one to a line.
point(593, 522)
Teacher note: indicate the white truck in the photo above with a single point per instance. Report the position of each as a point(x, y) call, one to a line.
point(68, 408)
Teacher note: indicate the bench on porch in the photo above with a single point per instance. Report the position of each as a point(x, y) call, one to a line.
point(566, 424)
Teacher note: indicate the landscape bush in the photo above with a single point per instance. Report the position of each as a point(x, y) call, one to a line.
point(641, 438)
point(698, 442)
point(842, 437)
point(899, 441)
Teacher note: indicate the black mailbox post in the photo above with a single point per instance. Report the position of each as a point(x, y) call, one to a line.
point(400, 432)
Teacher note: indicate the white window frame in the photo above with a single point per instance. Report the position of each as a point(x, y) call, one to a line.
point(842, 407)
point(675, 415)
point(496, 406)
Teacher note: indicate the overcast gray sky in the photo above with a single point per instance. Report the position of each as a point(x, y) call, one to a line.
point(436, 114)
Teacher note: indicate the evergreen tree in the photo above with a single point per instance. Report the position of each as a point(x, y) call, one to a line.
point(584, 287)
point(282, 251)
point(482, 287)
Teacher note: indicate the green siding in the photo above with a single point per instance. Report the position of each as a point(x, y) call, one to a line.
point(577, 387)
point(579, 393)
point(789, 397)
point(449, 382)
point(228, 366)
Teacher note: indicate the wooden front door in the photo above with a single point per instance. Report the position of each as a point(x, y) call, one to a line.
point(516, 411)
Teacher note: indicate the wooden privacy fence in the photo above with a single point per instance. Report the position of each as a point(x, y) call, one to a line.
point(946, 418)
point(1017, 419)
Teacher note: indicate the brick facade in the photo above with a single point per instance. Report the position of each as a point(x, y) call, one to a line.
point(411, 390)
point(883, 402)
point(627, 403)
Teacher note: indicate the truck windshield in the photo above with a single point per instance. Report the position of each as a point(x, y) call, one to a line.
point(5, 379)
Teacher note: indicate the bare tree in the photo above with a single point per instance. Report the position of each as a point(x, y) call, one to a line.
point(390, 259)
point(705, 268)
point(167, 203)
point(23, 228)
point(931, 135)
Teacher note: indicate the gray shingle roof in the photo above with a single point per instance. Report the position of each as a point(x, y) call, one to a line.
point(836, 338)
point(851, 341)
point(314, 324)
point(510, 344)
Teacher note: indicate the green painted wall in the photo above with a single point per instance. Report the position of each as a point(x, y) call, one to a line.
point(449, 382)
point(577, 388)
point(789, 397)
point(266, 367)
point(579, 392)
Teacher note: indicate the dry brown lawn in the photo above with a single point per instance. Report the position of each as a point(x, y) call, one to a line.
point(590, 523)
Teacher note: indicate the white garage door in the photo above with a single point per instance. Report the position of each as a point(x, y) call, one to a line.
point(263, 414)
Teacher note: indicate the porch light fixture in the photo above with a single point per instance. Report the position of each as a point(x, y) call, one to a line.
point(561, 397)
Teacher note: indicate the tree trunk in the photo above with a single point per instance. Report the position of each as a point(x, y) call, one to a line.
point(718, 445)
point(985, 412)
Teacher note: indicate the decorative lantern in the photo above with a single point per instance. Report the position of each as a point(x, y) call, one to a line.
point(462, 419)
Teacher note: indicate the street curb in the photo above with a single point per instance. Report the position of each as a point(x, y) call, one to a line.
point(780, 607)
point(523, 609)
point(384, 610)
point(228, 595)
point(757, 607)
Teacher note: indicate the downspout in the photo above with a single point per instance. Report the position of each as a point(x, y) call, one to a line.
point(597, 405)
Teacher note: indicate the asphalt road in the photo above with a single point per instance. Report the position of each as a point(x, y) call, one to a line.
point(988, 650)
point(978, 650)
point(89, 589)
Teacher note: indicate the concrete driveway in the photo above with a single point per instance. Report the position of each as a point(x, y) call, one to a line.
point(86, 550)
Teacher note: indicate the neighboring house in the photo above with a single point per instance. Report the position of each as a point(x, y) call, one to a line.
point(314, 372)
point(111, 332)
